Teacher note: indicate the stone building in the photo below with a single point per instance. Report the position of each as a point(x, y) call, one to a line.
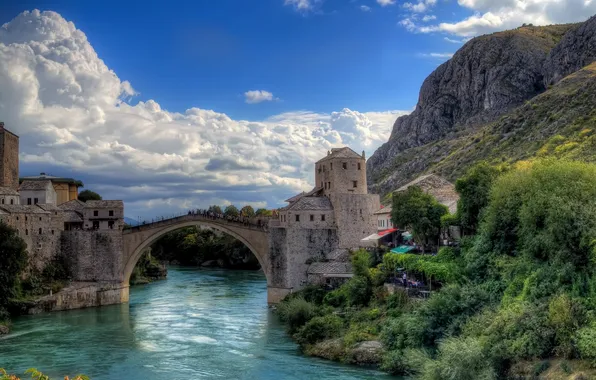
point(44, 211)
point(335, 215)
point(34, 192)
point(9, 159)
point(67, 189)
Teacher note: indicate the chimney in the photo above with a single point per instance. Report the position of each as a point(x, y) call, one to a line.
point(363, 155)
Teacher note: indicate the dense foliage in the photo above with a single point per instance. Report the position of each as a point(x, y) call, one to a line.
point(419, 212)
point(195, 246)
point(522, 289)
point(13, 259)
point(88, 195)
point(35, 374)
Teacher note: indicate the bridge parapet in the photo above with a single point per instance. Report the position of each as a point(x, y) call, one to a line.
point(248, 224)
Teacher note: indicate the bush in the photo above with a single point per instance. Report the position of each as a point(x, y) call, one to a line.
point(358, 291)
point(296, 312)
point(13, 258)
point(314, 294)
point(398, 300)
point(360, 332)
point(459, 359)
point(394, 363)
point(586, 342)
point(319, 328)
point(361, 262)
point(335, 298)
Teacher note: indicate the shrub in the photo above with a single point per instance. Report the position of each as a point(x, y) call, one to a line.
point(459, 359)
point(35, 374)
point(398, 300)
point(586, 342)
point(360, 332)
point(394, 363)
point(314, 294)
point(358, 291)
point(13, 258)
point(296, 312)
point(361, 261)
point(335, 298)
point(319, 328)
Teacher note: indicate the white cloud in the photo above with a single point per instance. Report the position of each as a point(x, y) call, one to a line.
point(257, 96)
point(495, 15)
point(385, 3)
point(454, 41)
point(69, 109)
point(365, 8)
point(421, 6)
point(437, 55)
point(303, 5)
point(428, 18)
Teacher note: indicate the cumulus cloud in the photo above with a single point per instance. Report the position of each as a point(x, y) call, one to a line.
point(365, 8)
point(303, 5)
point(257, 96)
point(495, 15)
point(75, 117)
point(385, 3)
point(421, 6)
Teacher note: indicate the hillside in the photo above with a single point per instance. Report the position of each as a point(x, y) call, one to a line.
point(500, 98)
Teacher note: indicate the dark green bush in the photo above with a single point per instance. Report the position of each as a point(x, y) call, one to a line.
point(320, 328)
point(296, 312)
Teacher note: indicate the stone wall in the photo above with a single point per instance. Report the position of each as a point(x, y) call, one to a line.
point(93, 255)
point(9, 159)
point(291, 250)
point(354, 216)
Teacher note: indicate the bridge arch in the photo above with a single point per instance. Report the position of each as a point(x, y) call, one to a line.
point(136, 239)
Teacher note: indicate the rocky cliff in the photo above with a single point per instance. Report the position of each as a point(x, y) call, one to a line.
point(489, 77)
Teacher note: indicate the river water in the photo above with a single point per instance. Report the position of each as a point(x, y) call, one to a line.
point(197, 324)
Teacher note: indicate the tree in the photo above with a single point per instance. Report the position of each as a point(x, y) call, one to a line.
point(420, 212)
point(215, 209)
point(88, 195)
point(474, 189)
point(13, 258)
point(263, 212)
point(231, 211)
point(247, 211)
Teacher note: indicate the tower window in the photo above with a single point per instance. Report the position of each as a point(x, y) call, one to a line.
point(323, 217)
point(2, 200)
point(95, 213)
point(354, 183)
point(312, 218)
point(359, 166)
point(12, 201)
point(28, 201)
point(344, 165)
point(26, 218)
point(331, 166)
point(40, 231)
point(40, 218)
point(35, 201)
point(111, 212)
point(329, 185)
point(297, 217)
point(26, 232)
point(52, 232)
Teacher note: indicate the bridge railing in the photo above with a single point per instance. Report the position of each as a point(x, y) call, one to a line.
point(251, 223)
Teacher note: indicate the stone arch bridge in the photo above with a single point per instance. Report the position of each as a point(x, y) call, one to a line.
point(256, 238)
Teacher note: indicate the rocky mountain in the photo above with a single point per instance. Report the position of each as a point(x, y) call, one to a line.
point(504, 90)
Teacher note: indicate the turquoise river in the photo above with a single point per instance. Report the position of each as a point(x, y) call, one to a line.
point(197, 324)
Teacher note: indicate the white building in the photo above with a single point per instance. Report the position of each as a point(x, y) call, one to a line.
point(37, 192)
point(384, 218)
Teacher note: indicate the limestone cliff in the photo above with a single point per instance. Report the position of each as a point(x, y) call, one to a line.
point(488, 77)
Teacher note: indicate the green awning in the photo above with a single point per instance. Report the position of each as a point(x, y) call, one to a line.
point(402, 249)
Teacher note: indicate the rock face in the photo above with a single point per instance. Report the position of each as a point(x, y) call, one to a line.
point(576, 50)
point(486, 78)
point(367, 353)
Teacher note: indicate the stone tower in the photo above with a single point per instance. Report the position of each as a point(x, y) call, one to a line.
point(9, 159)
point(342, 171)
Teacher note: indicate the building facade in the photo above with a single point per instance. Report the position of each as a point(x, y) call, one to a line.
point(335, 215)
point(67, 189)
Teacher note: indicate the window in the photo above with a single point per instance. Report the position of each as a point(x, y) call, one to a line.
point(111, 212)
point(354, 183)
point(12, 201)
point(26, 232)
point(111, 224)
point(331, 166)
point(35, 201)
point(325, 185)
point(95, 213)
point(28, 201)
point(323, 217)
point(329, 186)
point(40, 231)
point(2, 200)
point(297, 217)
point(359, 166)
point(40, 218)
point(96, 224)
point(344, 165)
point(312, 218)
point(17, 218)
point(26, 218)
point(360, 211)
point(52, 232)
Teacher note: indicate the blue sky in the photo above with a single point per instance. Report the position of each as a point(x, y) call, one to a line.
point(211, 52)
point(175, 105)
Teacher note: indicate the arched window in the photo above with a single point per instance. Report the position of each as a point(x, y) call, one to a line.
point(12, 201)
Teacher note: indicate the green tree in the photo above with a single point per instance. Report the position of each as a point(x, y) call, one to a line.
point(88, 195)
point(215, 209)
point(420, 212)
point(263, 212)
point(247, 211)
point(232, 211)
point(474, 189)
point(13, 258)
